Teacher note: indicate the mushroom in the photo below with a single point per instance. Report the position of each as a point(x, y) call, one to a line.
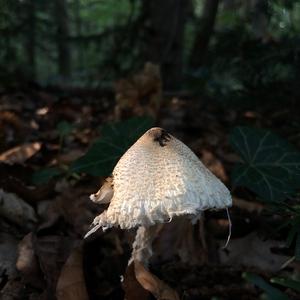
point(157, 179)
point(106, 192)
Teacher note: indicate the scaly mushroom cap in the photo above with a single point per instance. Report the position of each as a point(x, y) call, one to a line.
point(158, 178)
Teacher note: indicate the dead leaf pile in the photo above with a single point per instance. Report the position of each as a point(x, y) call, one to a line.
point(42, 252)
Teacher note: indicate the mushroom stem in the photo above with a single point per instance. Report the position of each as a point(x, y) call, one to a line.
point(142, 245)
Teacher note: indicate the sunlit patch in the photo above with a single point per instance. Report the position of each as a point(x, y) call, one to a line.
point(250, 114)
point(34, 124)
point(42, 111)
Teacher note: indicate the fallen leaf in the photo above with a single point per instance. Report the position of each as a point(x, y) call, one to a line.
point(251, 207)
point(153, 284)
point(253, 251)
point(133, 289)
point(8, 254)
point(140, 94)
point(16, 210)
point(12, 127)
point(52, 252)
point(76, 211)
point(181, 239)
point(27, 263)
point(16, 179)
point(20, 154)
point(71, 283)
point(13, 289)
point(214, 164)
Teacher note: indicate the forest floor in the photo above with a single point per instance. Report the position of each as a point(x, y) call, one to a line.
point(42, 251)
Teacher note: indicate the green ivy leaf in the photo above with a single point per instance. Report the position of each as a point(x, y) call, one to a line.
point(44, 175)
point(106, 151)
point(271, 166)
point(286, 282)
point(272, 292)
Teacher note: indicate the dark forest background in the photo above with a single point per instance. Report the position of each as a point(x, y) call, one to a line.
point(224, 47)
point(82, 80)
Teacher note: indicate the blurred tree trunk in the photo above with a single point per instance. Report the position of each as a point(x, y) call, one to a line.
point(206, 28)
point(30, 43)
point(258, 14)
point(78, 30)
point(62, 37)
point(163, 33)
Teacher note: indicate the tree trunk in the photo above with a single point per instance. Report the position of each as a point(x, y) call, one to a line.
point(63, 47)
point(257, 12)
point(163, 33)
point(30, 43)
point(206, 28)
point(78, 31)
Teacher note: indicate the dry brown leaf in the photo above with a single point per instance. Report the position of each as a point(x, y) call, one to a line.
point(8, 255)
point(20, 154)
point(52, 252)
point(139, 94)
point(10, 119)
point(27, 263)
point(180, 238)
point(16, 210)
point(71, 283)
point(153, 284)
point(253, 251)
point(214, 164)
point(133, 290)
point(12, 290)
point(15, 179)
point(76, 211)
point(252, 207)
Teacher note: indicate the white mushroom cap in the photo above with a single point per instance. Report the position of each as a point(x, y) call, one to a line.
point(158, 178)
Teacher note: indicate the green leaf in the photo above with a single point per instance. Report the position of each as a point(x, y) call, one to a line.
point(64, 128)
point(297, 247)
point(44, 175)
point(271, 166)
point(291, 235)
point(272, 292)
point(106, 151)
point(286, 282)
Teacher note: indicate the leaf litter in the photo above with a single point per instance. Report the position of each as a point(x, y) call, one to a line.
point(42, 226)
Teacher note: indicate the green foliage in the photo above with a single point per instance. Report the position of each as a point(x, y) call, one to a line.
point(115, 140)
point(293, 225)
point(271, 292)
point(249, 69)
point(44, 175)
point(103, 40)
point(270, 167)
point(287, 282)
point(64, 128)
point(297, 247)
point(111, 12)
